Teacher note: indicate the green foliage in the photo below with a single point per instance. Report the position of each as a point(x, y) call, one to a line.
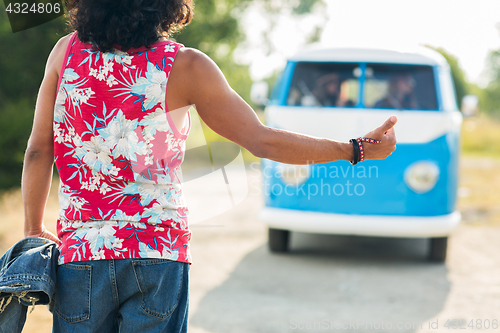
point(490, 98)
point(216, 32)
point(22, 64)
point(462, 85)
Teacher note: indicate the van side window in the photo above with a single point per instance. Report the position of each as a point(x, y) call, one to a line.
point(402, 87)
point(324, 85)
point(447, 90)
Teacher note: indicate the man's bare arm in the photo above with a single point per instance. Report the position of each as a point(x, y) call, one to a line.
point(39, 157)
point(225, 112)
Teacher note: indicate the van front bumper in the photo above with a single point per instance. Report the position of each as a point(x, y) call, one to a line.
point(362, 225)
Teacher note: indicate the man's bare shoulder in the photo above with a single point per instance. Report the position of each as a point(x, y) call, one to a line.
point(56, 57)
point(194, 61)
point(62, 43)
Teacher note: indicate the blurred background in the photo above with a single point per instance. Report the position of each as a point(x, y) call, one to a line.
point(234, 278)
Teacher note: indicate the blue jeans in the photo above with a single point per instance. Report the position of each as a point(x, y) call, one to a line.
point(122, 295)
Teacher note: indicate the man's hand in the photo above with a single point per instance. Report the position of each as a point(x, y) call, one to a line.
point(44, 233)
point(386, 134)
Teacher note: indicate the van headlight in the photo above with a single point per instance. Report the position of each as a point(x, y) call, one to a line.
point(422, 176)
point(294, 174)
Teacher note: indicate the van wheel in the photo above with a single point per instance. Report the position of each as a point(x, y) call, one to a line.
point(438, 249)
point(278, 240)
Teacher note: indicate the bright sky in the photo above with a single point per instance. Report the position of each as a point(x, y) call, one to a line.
point(464, 28)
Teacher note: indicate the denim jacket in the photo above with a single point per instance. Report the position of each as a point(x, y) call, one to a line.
point(27, 277)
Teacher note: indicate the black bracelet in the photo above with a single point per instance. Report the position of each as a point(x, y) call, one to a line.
point(355, 146)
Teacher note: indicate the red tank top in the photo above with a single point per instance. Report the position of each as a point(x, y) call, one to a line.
point(118, 154)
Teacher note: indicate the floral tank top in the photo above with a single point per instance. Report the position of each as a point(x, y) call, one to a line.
point(118, 154)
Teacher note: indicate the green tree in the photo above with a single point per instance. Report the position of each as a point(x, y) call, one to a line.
point(462, 85)
point(22, 64)
point(490, 99)
point(216, 31)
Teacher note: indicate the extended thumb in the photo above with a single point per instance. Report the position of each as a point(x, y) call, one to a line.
point(389, 123)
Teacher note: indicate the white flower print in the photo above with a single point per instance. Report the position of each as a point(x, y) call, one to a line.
point(58, 133)
point(99, 235)
point(118, 243)
point(169, 48)
point(104, 188)
point(77, 202)
point(77, 224)
point(103, 72)
point(70, 201)
point(171, 141)
point(147, 189)
point(153, 122)
point(111, 81)
point(92, 187)
point(152, 87)
point(77, 141)
point(70, 75)
point(108, 68)
point(162, 211)
point(57, 129)
point(114, 172)
point(120, 136)
point(81, 95)
point(155, 92)
point(98, 255)
point(97, 155)
point(59, 108)
point(122, 57)
point(125, 220)
point(147, 252)
point(64, 197)
point(122, 216)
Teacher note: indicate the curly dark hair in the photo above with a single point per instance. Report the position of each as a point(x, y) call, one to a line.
point(127, 23)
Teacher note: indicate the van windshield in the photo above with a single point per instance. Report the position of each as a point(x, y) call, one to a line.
point(324, 84)
point(385, 86)
point(390, 86)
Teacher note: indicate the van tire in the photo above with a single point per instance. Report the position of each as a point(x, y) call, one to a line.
point(437, 251)
point(278, 240)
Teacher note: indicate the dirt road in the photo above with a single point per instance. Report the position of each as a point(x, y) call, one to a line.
point(327, 283)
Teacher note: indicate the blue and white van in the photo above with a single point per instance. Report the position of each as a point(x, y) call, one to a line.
point(342, 94)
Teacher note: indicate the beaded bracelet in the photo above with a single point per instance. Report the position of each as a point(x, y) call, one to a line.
point(361, 149)
point(369, 140)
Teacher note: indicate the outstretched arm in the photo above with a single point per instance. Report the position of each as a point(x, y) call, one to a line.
point(224, 111)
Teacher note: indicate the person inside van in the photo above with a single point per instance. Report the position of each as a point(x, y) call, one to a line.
point(328, 91)
point(400, 94)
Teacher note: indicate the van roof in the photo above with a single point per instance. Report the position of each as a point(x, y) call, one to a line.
point(419, 56)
